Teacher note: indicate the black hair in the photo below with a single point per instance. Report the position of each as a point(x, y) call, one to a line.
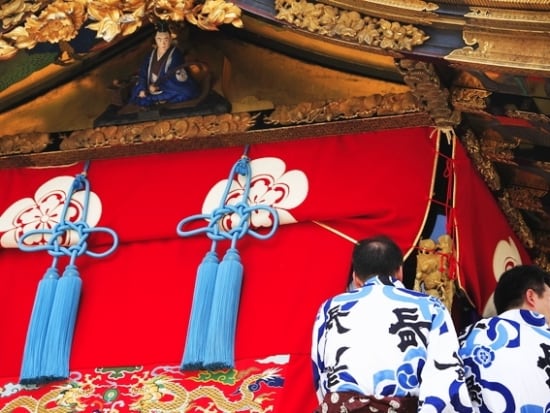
point(378, 255)
point(513, 283)
point(162, 27)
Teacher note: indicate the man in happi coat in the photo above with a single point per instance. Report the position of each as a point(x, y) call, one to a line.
point(507, 357)
point(383, 346)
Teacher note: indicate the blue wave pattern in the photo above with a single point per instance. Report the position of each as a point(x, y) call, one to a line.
point(386, 340)
point(507, 362)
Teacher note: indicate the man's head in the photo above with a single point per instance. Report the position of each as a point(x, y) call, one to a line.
point(377, 256)
point(163, 40)
point(524, 286)
point(163, 35)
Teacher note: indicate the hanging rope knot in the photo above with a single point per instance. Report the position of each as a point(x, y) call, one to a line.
point(447, 131)
point(67, 227)
point(80, 182)
point(59, 239)
point(232, 221)
point(242, 166)
point(234, 213)
point(238, 214)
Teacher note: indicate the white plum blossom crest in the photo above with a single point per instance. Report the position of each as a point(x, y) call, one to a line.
point(270, 185)
point(505, 256)
point(43, 212)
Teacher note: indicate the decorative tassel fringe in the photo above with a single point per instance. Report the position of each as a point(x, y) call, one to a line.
point(193, 357)
point(220, 345)
point(217, 351)
point(51, 330)
point(38, 325)
point(59, 337)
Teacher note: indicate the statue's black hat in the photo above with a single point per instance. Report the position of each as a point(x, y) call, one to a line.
point(162, 27)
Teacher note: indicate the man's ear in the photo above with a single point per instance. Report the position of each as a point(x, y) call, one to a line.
point(399, 274)
point(530, 298)
point(356, 281)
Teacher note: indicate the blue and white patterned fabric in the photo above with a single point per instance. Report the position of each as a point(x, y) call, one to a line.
point(386, 340)
point(507, 362)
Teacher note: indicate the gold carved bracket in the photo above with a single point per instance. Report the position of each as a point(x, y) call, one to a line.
point(514, 51)
point(422, 78)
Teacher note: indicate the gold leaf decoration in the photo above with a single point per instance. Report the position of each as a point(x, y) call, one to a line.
point(331, 21)
point(59, 21)
point(434, 263)
point(28, 23)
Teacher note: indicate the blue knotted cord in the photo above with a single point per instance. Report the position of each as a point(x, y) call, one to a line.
point(54, 245)
point(214, 230)
point(211, 330)
point(49, 337)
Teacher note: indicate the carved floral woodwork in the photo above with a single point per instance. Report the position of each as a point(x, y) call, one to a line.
point(470, 100)
point(351, 25)
point(481, 162)
point(27, 23)
point(164, 130)
point(349, 108)
point(24, 143)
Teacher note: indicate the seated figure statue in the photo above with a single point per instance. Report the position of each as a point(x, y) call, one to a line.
point(162, 77)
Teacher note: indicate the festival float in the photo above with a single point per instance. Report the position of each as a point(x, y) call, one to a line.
point(172, 258)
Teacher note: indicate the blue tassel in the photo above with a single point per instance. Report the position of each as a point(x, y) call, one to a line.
point(193, 357)
point(219, 348)
point(220, 345)
point(51, 330)
point(36, 333)
point(58, 342)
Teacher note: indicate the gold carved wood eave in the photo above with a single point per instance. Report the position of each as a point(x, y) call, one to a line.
point(416, 12)
point(366, 61)
point(508, 35)
point(517, 52)
point(74, 106)
point(55, 128)
point(502, 4)
point(212, 136)
point(349, 25)
point(514, 40)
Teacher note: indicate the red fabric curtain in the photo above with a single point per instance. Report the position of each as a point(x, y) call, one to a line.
point(486, 243)
point(135, 303)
